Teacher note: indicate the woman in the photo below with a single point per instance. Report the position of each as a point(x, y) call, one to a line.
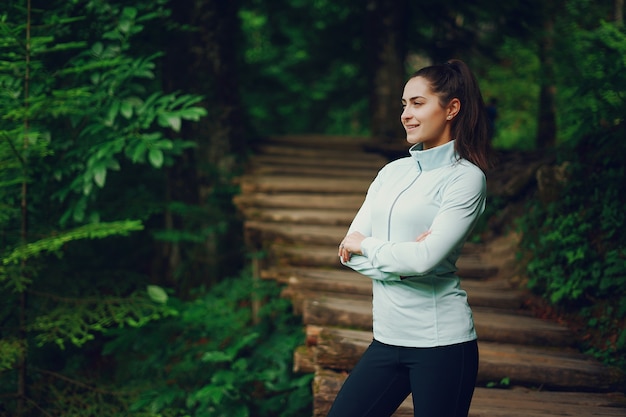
point(407, 237)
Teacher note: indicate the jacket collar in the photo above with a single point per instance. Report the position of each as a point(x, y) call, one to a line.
point(433, 158)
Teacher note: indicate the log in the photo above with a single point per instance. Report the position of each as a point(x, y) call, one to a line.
point(304, 360)
point(280, 184)
point(296, 234)
point(524, 402)
point(353, 312)
point(497, 325)
point(350, 202)
point(341, 281)
point(326, 385)
point(555, 368)
point(300, 298)
point(311, 256)
point(316, 246)
point(490, 402)
point(371, 165)
point(321, 217)
point(314, 153)
point(491, 324)
point(494, 294)
point(336, 142)
point(313, 171)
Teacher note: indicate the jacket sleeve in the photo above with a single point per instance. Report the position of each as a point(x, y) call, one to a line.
point(463, 201)
point(362, 223)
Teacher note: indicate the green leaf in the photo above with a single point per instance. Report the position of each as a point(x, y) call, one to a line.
point(157, 294)
point(170, 120)
point(100, 175)
point(126, 109)
point(156, 158)
point(216, 357)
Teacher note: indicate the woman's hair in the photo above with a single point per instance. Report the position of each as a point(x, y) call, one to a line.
point(469, 128)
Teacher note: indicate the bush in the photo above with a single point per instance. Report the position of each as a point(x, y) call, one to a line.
point(216, 358)
point(577, 248)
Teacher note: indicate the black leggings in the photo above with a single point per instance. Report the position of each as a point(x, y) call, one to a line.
point(441, 380)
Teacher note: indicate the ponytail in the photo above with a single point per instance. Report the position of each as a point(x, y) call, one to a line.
point(469, 128)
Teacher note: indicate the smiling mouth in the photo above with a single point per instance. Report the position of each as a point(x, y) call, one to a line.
point(410, 127)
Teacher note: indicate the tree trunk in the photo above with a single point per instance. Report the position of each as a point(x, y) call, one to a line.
point(618, 12)
point(386, 29)
point(204, 61)
point(546, 126)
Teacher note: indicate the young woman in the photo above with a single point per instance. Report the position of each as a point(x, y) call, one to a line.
point(407, 237)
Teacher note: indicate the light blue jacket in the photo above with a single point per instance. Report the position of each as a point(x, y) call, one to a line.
point(417, 299)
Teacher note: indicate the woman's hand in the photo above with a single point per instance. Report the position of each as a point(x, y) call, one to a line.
point(351, 244)
point(422, 236)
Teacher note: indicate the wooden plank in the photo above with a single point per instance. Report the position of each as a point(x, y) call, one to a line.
point(336, 142)
point(296, 234)
point(524, 402)
point(472, 266)
point(325, 280)
point(507, 327)
point(313, 171)
point(491, 324)
point(326, 256)
point(490, 402)
point(316, 153)
point(560, 368)
point(350, 202)
point(300, 216)
point(313, 256)
point(280, 184)
point(336, 161)
point(494, 294)
point(541, 367)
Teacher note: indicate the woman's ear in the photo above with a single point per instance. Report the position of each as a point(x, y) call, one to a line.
point(453, 108)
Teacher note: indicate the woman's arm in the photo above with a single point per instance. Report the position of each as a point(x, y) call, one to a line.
point(463, 202)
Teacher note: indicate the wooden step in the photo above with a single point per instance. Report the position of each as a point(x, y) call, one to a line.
point(324, 256)
point(485, 293)
point(356, 144)
point(290, 184)
point(491, 324)
point(337, 161)
point(349, 203)
point(300, 216)
point(314, 170)
point(327, 236)
point(555, 368)
point(314, 153)
point(492, 402)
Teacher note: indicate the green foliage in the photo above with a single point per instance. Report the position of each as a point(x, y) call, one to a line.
point(79, 101)
point(577, 251)
point(512, 82)
point(306, 77)
point(503, 383)
point(595, 68)
point(218, 357)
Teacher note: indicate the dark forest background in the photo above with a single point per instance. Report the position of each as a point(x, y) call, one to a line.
point(126, 286)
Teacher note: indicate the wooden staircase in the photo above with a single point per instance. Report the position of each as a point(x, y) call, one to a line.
point(298, 198)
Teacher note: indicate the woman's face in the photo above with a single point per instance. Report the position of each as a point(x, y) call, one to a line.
point(423, 118)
